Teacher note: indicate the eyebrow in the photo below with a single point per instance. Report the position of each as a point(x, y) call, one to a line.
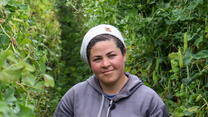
point(110, 52)
point(98, 56)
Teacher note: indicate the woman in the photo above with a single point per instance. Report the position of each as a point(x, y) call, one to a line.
point(110, 92)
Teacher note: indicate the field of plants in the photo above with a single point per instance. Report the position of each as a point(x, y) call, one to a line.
point(40, 42)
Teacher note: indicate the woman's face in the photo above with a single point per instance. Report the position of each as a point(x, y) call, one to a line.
point(107, 62)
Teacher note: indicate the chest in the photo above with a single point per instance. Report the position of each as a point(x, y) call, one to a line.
point(90, 105)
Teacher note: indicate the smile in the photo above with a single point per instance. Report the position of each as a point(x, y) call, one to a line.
point(108, 72)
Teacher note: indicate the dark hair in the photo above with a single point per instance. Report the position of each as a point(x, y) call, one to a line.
point(104, 37)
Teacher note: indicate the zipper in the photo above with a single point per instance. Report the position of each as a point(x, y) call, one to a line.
point(111, 104)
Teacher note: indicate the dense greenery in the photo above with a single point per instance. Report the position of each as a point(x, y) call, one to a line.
point(29, 52)
point(166, 41)
point(40, 41)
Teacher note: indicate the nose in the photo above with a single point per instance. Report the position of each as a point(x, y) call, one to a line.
point(105, 63)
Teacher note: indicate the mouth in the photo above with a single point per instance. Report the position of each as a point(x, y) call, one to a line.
point(107, 71)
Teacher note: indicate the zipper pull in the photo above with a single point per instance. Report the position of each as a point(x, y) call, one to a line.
point(112, 104)
point(111, 107)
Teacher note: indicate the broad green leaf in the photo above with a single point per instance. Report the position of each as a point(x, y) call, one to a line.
point(3, 56)
point(9, 95)
point(11, 73)
point(29, 80)
point(12, 59)
point(39, 85)
point(201, 54)
point(48, 80)
point(187, 58)
point(3, 107)
point(25, 111)
point(198, 41)
point(29, 67)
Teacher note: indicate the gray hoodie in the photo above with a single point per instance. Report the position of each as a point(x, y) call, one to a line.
point(87, 99)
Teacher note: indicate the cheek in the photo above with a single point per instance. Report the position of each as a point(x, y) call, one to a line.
point(118, 62)
point(95, 68)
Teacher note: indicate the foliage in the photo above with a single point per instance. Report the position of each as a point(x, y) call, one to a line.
point(29, 50)
point(73, 69)
point(166, 45)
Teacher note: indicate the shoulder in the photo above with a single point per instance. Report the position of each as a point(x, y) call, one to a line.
point(147, 91)
point(153, 102)
point(142, 89)
point(70, 96)
point(80, 87)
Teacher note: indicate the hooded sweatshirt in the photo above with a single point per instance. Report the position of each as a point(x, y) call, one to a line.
point(86, 99)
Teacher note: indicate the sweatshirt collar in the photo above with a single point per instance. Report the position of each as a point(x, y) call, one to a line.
point(128, 89)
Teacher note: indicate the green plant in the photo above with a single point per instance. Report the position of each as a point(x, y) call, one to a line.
point(29, 50)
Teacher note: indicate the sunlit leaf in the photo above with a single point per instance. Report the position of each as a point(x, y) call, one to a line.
point(3, 106)
point(3, 56)
point(193, 109)
point(11, 73)
point(29, 67)
point(25, 111)
point(48, 80)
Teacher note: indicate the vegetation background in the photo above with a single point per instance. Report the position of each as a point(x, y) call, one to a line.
point(40, 41)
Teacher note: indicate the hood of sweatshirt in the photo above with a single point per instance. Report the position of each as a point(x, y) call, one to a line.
point(128, 89)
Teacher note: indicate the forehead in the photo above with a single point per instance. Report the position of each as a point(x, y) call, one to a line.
point(104, 47)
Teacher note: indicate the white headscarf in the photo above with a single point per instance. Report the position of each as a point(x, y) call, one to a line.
point(98, 30)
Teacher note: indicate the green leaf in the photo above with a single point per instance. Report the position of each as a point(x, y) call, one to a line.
point(173, 55)
point(4, 2)
point(42, 64)
point(155, 78)
point(180, 57)
point(29, 67)
point(3, 56)
point(201, 54)
point(39, 85)
point(9, 95)
point(187, 58)
point(11, 73)
point(25, 111)
point(30, 80)
point(193, 109)
point(48, 80)
point(198, 41)
point(3, 107)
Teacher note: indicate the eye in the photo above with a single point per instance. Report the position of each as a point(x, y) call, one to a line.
point(96, 60)
point(112, 55)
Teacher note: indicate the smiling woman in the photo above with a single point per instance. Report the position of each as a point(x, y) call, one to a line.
point(107, 63)
point(110, 90)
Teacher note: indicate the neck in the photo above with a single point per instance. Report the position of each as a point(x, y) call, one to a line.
point(114, 88)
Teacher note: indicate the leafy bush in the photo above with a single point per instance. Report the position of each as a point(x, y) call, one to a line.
point(29, 50)
point(73, 69)
point(166, 41)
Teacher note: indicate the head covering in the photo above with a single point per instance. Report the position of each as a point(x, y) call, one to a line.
point(98, 30)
